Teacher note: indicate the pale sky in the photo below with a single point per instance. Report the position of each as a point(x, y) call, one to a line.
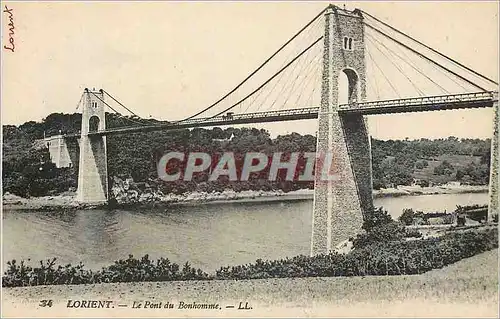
point(170, 60)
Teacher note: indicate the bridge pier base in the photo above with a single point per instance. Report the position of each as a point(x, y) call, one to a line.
point(92, 171)
point(93, 166)
point(494, 191)
point(59, 151)
point(341, 203)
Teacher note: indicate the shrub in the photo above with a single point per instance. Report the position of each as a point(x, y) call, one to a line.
point(128, 270)
point(21, 275)
point(423, 183)
point(399, 257)
point(445, 168)
point(381, 228)
point(392, 231)
point(377, 217)
point(421, 164)
point(391, 258)
point(412, 233)
point(378, 184)
point(407, 216)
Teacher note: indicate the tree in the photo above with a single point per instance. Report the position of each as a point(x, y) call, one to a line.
point(375, 218)
point(423, 183)
point(136, 155)
point(421, 164)
point(445, 168)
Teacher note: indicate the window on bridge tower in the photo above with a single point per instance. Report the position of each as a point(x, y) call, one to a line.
point(347, 43)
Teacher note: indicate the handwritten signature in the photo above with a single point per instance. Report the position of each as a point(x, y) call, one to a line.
point(10, 14)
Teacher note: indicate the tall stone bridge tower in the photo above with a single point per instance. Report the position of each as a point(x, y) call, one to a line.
point(93, 171)
point(340, 203)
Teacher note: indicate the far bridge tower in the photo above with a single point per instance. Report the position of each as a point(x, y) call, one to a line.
point(93, 171)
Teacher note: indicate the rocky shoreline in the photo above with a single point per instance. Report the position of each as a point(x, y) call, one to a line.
point(67, 201)
point(127, 194)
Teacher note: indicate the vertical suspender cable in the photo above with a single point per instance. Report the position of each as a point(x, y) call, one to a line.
point(425, 57)
point(433, 50)
point(256, 70)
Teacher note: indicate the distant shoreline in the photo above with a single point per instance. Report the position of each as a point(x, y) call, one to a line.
point(66, 201)
point(433, 190)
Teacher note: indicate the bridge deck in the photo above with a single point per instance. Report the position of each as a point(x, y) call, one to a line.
point(420, 104)
point(423, 104)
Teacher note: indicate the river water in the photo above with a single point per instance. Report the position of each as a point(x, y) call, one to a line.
point(208, 236)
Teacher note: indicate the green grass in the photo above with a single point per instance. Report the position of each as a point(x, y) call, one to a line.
point(458, 161)
point(470, 280)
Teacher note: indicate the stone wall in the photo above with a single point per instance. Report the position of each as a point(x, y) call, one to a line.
point(359, 149)
point(321, 211)
point(494, 205)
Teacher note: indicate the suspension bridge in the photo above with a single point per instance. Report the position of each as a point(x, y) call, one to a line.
point(340, 67)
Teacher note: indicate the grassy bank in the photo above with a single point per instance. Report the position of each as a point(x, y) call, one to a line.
point(468, 288)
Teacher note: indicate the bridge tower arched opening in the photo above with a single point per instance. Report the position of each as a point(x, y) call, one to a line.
point(94, 123)
point(348, 87)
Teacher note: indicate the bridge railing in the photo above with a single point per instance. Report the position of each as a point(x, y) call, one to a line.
point(439, 99)
point(308, 110)
point(311, 112)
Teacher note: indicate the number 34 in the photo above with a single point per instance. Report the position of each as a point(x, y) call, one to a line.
point(45, 303)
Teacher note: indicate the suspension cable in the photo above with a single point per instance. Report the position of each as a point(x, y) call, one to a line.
point(415, 68)
point(377, 91)
point(137, 122)
point(285, 84)
point(433, 50)
point(307, 71)
point(268, 80)
point(405, 58)
point(311, 95)
point(309, 78)
point(371, 39)
point(79, 102)
point(290, 82)
point(383, 74)
point(425, 57)
point(397, 67)
point(277, 82)
point(258, 68)
point(126, 108)
point(270, 91)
